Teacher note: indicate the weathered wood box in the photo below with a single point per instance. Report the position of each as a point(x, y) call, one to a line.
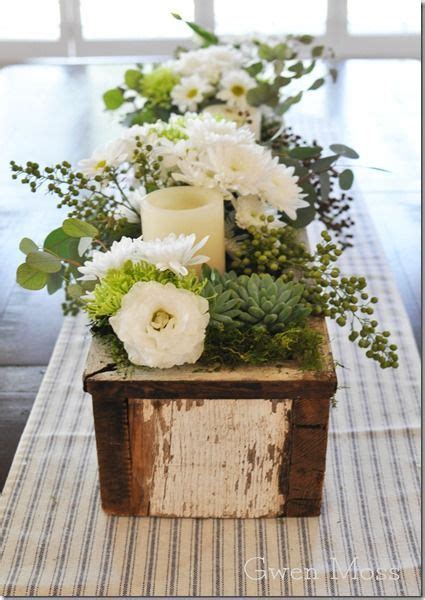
point(186, 442)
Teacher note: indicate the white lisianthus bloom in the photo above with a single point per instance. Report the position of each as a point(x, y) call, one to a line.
point(100, 262)
point(132, 212)
point(160, 325)
point(175, 253)
point(112, 155)
point(251, 210)
point(282, 191)
point(190, 92)
point(234, 87)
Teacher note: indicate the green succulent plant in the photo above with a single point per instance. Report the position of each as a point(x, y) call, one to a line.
point(254, 301)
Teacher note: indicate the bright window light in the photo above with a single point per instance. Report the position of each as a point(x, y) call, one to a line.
point(384, 16)
point(272, 17)
point(134, 19)
point(29, 20)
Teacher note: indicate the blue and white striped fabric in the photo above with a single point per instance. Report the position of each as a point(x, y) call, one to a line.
point(57, 541)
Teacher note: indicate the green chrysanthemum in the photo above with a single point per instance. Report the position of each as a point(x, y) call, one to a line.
point(157, 85)
point(106, 298)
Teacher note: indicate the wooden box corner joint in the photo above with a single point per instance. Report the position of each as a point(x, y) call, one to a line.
point(184, 442)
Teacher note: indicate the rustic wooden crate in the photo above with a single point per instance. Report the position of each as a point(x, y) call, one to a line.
point(186, 442)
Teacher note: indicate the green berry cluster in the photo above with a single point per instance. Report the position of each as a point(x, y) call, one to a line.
point(146, 167)
point(91, 199)
point(346, 300)
point(274, 251)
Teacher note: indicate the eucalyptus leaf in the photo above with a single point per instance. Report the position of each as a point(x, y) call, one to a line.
point(254, 69)
point(344, 150)
point(54, 282)
point(334, 74)
point(288, 102)
point(74, 290)
point(43, 261)
point(29, 278)
point(305, 39)
point(346, 179)
point(324, 186)
point(26, 246)
point(62, 244)
point(77, 229)
point(113, 99)
point(323, 164)
point(317, 84)
point(132, 78)
point(317, 51)
point(303, 152)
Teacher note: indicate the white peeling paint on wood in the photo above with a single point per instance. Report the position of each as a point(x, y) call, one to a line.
point(212, 458)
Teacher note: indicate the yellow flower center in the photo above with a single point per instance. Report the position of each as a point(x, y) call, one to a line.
point(161, 319)
point(192, 93)
point(238, 90)
point(101, 164)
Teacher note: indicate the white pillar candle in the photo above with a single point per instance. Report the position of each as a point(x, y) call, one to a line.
point(187, 209)
point(250, 116)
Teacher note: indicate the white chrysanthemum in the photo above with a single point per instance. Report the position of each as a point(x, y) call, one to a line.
point(132, 212)
point(100, 262)
point(175, 253)
point(190, 92)
point(206, 129)
point(160, 325)
point(226, 165)
point(112, 155)
point(209, 63)
point(234, 87)
point(250, 212)
point(282, 190)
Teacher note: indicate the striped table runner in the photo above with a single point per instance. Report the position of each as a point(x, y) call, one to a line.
point(57, 541)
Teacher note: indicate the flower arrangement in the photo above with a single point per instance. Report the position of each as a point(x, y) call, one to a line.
point(226, 280)
point(252, 82)
point(230, 79)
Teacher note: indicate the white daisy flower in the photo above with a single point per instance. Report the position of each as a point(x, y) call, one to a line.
point(175, 253)
point(161, 325)
point(190, 92)
point(250, 212)
point(112, 155)
point(234, 87)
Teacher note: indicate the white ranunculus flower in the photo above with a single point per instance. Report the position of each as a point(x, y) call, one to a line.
point(175, 253)
point(161, 326)
point(234, 87)
point(112, 155)
point(100, 262)
point(282, 191)
point(190, 92)
point(250, 209)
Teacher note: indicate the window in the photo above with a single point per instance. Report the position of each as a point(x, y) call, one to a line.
point(134, 19)
point(384, 16)
point(354, 28)
point(243, 17)
point(29, 20)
